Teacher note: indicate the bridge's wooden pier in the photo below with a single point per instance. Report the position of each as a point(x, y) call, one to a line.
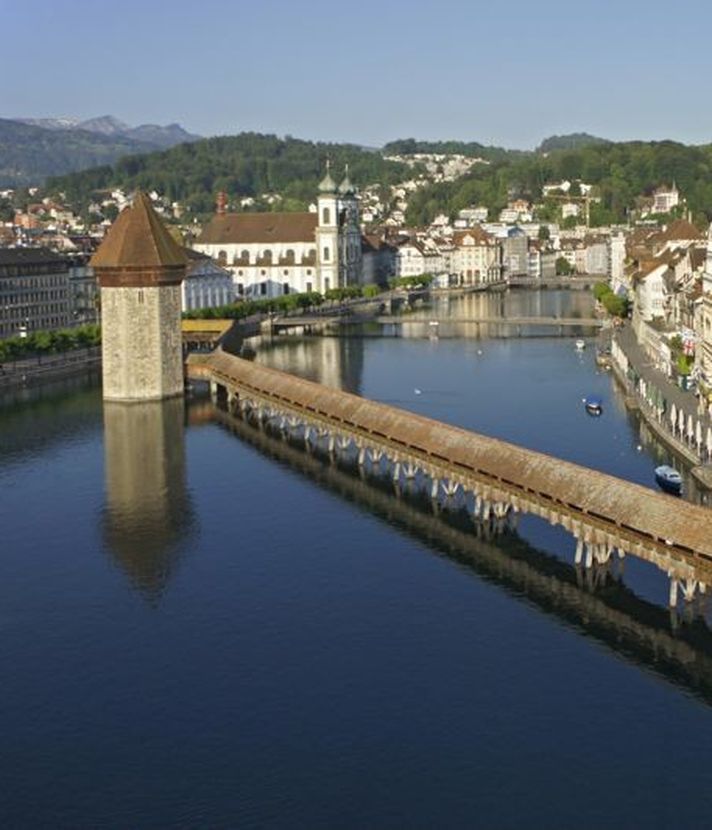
point(609, 517)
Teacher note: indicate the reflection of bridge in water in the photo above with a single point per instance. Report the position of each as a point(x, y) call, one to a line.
point(593, 601)
point(495, 480)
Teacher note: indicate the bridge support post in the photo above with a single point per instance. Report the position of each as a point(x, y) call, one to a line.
point(589, 554)
point(376, 456)
point(672, 599)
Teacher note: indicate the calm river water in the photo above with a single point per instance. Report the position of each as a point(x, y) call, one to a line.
point(201, 626)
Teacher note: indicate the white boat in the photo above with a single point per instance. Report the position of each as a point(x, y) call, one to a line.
point(580, 345)
point(668, 479)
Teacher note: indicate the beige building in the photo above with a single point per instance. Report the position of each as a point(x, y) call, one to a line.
point(705, 334)
point(140, 268)
point(476, 258)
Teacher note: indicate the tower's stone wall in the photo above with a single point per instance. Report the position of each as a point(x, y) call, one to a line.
point(141, 342)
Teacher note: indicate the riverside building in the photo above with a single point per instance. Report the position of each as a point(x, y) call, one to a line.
point(34, 291)
point(270, 254)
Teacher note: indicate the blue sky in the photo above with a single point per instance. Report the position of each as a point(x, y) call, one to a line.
point(503, 73)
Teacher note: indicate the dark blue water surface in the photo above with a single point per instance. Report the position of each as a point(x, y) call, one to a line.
point(201, 626)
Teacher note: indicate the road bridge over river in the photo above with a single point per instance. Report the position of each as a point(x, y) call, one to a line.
point(609, 517)
point(314, 320)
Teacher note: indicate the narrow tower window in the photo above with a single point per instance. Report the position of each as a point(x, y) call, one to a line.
point(326, 216)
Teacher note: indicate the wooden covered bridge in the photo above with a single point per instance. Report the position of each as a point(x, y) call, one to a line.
point(607, 515)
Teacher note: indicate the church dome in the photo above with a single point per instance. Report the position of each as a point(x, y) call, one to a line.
point(346, 188)
point(327, 184)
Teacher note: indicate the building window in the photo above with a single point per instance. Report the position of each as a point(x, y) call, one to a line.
point(263, 288)
point(222, 257)
point(309, 290)
point(245, 255)
point(239, 273)
point(285, 272)
point(326, 216)
point(326, 284)
point(326, 253)
point(285, 287)
point(140, 296)
point(263, 273)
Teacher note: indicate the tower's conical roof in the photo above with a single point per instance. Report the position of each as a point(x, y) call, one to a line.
point(138, 239)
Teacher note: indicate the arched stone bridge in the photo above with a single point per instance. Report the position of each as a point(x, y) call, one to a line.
point(607, 515)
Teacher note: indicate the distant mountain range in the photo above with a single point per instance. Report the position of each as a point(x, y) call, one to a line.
point(31, 149)
point(108, 125)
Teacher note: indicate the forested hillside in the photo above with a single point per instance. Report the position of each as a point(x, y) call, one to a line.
point(473, 149)
point(249, 164)
point(571, 141)
point(621, 172)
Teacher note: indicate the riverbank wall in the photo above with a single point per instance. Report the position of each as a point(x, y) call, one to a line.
point(29, 371)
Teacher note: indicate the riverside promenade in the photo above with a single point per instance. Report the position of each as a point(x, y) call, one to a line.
point(676, 416)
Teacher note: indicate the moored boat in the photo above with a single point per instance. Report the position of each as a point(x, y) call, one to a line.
point(594, 406)
point(580, 345)
point(668, 479)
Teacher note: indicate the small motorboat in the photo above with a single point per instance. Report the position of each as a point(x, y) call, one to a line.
point(594, 406)
point(580, 345)
point(668, 479)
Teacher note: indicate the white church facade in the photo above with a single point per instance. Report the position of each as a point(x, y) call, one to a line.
point(269, 254)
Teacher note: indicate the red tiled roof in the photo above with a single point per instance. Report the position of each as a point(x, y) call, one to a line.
point(237, 228)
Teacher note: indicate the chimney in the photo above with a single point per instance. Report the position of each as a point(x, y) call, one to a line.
point(221, 203)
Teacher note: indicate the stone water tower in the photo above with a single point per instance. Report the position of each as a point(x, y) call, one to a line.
point(140, 267)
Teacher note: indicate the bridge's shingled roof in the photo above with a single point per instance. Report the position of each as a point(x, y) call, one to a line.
point(138, 239)
point(598, 494)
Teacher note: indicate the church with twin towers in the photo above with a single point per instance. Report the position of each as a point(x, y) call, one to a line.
point(270, 254)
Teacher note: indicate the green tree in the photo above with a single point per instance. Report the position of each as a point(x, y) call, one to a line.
point(563, 267)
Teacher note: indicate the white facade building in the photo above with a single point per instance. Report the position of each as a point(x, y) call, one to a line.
point(269, 254)
point(650, 292)
point(665, 199)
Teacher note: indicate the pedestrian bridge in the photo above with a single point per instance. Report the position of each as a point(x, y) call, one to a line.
point(496, 480)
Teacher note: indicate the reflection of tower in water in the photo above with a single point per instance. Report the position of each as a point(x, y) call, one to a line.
point(147, 507)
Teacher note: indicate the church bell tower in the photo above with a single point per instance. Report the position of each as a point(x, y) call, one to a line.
point(140, 267)
point(327, 232)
